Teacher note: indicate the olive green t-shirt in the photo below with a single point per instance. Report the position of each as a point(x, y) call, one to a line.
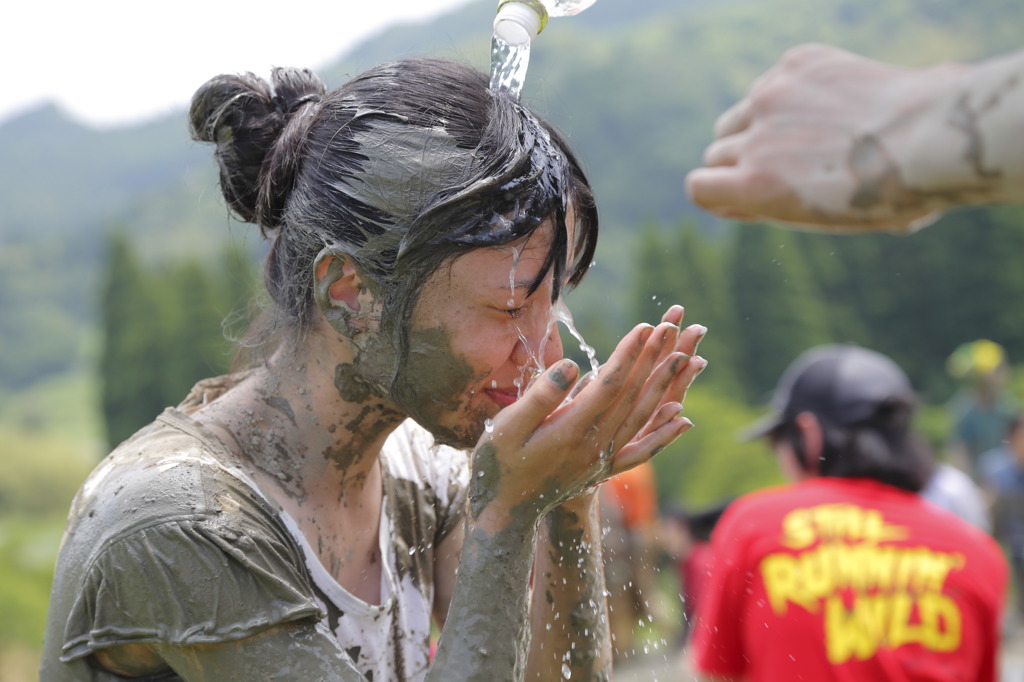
point(169, 542)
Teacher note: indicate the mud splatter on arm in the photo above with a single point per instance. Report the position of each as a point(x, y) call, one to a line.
point(485, 634)
point(569, 617)
point(971, 148)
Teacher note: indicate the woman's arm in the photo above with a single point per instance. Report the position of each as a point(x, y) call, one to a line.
point(446, 564)
point(542, 452)
point(569, 617)
point(569, 611)
point(831, 139)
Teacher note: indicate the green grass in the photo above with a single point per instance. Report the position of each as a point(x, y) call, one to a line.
point(49, 441)
point(28, 549)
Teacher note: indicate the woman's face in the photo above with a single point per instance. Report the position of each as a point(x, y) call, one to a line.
point(476, 338)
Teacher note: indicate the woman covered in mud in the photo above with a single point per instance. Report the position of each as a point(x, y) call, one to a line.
point(407, 421)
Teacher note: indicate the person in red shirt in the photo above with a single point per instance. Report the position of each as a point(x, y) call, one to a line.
point(686, 538)
point(847, 574)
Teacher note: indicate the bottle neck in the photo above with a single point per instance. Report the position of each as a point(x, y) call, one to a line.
point(518, 21)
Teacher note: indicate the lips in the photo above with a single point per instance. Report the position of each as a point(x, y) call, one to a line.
point(501, 397)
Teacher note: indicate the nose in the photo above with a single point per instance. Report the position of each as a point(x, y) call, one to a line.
point(539, 344)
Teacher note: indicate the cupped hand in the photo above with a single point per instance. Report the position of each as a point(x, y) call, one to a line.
point(544, 450)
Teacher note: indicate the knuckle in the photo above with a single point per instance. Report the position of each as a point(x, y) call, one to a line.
point(801, 55)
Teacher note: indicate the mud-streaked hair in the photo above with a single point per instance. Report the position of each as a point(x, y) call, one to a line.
point(404, 167)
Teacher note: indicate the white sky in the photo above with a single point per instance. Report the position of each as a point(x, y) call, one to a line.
point(109, 62)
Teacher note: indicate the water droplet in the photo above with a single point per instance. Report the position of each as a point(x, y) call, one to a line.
point(488, 426)
point(566, 672)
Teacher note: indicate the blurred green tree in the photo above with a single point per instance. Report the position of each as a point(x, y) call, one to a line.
point(777, 306)
point(129, 360)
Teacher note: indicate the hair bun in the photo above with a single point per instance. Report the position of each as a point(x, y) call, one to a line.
point(244, 116)
point(294, 88)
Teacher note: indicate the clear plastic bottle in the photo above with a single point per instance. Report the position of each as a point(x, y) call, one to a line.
point(518, 21)
point(515, 25)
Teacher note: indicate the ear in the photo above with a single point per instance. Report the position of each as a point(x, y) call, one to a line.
point(810, 432)
point(340, 289)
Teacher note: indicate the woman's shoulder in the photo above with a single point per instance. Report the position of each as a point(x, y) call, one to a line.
point(163, 518)
point(169, 470)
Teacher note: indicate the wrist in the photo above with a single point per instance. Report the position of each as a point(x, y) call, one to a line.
point(496, 519)
point(575, 511)
point(941, 146)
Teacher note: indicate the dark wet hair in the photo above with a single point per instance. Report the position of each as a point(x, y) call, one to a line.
point(403, 167)
point(881, 447)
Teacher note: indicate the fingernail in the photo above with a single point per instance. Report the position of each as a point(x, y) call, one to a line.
point(679, 362)
point(564, 374)
point(701, 364)
point(702, 330)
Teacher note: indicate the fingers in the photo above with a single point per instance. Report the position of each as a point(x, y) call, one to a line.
point(636, 412)
point(744, 192)
point(733, 120)
point(690, 338)
point(544, 395)
point(655, 353)
point(726, 151)
point(674, 315)
point(719, 190)
point(605, 389)
point(662, 341)
point(641, 450)
point(676, 391)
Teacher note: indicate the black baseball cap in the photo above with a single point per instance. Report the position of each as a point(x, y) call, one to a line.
point(839, 383)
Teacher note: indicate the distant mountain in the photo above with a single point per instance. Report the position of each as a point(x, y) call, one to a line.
point(635, 85)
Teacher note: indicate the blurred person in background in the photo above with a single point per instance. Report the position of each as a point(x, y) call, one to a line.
point(629, 506)
point(982, 407)
point(686, 539)
point(1003, 470)
point(955, 491)
point(847, 573)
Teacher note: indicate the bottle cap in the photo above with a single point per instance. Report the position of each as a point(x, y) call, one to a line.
point(517, 23)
